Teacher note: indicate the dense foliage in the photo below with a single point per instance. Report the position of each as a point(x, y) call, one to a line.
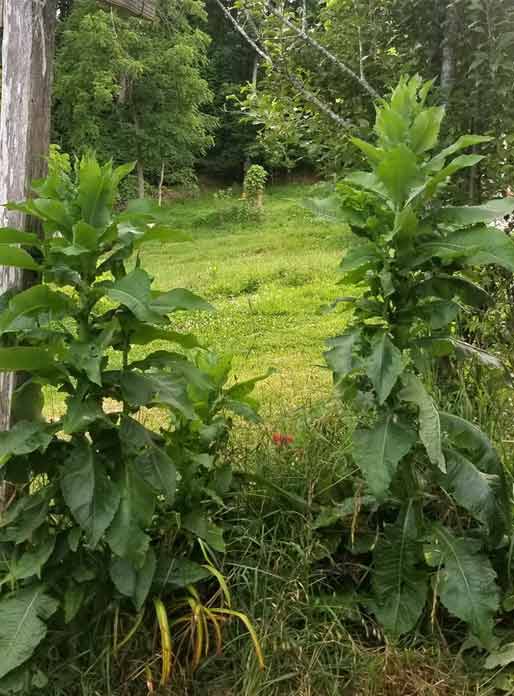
point(134, 90)
point(362, 46)
point(434, 502)
point(102, 504)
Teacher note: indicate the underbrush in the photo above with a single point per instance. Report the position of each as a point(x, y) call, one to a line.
point(296, 582)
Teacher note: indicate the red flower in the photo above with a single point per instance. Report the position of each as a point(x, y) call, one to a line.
point(281, 439)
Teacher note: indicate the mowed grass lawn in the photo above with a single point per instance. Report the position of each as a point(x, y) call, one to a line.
point(268, 281)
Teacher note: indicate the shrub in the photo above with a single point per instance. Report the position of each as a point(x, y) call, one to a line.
point(253, 186)
point(94, 493)
point(431, 503)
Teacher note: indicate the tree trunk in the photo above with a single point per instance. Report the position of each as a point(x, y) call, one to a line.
point(255, 72)
point(27, 59)
point(450, 29)
point(140, 179)
point(161, 182)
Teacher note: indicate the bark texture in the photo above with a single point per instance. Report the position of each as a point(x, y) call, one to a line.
point(448, 50)
point(27, 59)
point(140, 179)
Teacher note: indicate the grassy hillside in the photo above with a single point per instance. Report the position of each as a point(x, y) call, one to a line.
point(267, 280)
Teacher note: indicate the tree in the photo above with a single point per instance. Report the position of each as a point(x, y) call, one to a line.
point(134, 90)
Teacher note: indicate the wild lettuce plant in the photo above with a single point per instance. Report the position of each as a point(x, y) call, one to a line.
point(93, 491)
point(434, 490)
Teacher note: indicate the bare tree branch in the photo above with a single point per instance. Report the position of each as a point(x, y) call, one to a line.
point(243, 33)
point(315, 44)
point(310, 96)
point(295, 81)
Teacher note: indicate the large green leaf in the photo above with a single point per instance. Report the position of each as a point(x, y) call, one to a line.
point(121, 172)
point(10, 235)
point(32, 561)
point(241, 390)
point(424, 132)
point(177, 572)
point(467, 436)
point(488, 498)
point(73, 600)
point(91, 496)
point(22, 627)
point(131, 581)
point(364, 255)
point(340, 357)
point(127, 535)
point(142, 334)
point(134, 292)
point(25, 359)
point(81, 413)
point(479, 245)
point(368, 181)
point(391, 125)
point(35, 300)
point(95, 191)
point(156, 388)
point(374, 154)
point(378, 450)
point(53, 211)
point(26, 515)
point(456, 165)
point(399, 173)
point(446, 345)
point(177, 365)
point(429, 423)
point(151, 461)
point(439, 313)
point(198, 523)
point(25, 437)
point(89, 356)
point(19, 258)
point(399, 588)
point(462, 216)
point(463, 142)
point(85, 236)
point(179, 299)
point(329, 208)
point(491, 245)
point(478, 492)
point(451, 286)
point(466, 582)
point(384, 365)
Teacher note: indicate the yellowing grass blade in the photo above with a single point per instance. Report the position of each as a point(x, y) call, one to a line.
point(198, 628)
point(251, 630)
point(149, 680)
point(162, 619)
point(222, 582)
point(217, 630)
point(207, 554)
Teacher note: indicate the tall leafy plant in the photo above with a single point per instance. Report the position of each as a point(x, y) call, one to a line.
point(91, 491)
point(437, 493)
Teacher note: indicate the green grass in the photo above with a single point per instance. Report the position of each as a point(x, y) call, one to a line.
point(267, 280)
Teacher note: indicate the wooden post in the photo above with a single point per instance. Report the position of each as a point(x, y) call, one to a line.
point(27, 62)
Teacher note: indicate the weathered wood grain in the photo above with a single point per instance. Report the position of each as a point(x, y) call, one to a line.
point(140, 8)
point(27, 59)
